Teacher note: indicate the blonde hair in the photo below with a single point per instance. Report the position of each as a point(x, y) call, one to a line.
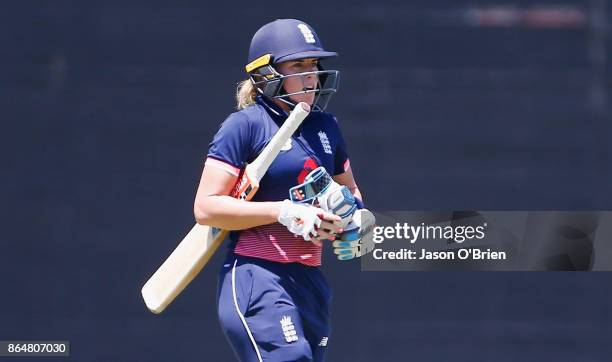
point(245, 94)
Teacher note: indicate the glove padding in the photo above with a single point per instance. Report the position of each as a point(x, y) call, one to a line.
point(358, 237)
point(300, 219)
point(338, 200)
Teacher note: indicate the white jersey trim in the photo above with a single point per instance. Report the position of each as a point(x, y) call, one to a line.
point(222, 166)
point(347, 165)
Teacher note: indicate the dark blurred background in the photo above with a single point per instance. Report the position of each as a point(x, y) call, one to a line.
point(108, 108)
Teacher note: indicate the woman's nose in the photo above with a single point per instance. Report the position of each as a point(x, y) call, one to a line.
point(310, 75)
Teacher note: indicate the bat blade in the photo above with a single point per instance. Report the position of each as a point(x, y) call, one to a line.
point(200, 244)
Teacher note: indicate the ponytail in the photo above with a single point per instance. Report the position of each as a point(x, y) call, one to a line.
point(245, 94)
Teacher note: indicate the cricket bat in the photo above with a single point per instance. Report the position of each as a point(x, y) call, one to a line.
point(200, 244)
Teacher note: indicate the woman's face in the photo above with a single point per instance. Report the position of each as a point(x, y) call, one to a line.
point(300, 84)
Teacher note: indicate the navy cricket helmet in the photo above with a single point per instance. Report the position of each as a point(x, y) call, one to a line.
point(283, 40)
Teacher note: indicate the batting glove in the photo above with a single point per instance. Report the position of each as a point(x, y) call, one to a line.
point(300, 219)
point(358, 239)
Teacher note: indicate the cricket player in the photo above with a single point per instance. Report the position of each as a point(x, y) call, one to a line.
point(273, 301)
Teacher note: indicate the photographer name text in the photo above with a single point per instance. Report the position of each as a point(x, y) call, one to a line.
point(424, 254)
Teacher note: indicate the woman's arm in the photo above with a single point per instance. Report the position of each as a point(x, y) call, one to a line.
point(348, 180)
point(214, 207)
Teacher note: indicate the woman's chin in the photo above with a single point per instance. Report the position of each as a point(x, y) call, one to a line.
point(303, 98)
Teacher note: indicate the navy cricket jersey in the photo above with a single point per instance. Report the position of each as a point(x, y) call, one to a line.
point(240, 139)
